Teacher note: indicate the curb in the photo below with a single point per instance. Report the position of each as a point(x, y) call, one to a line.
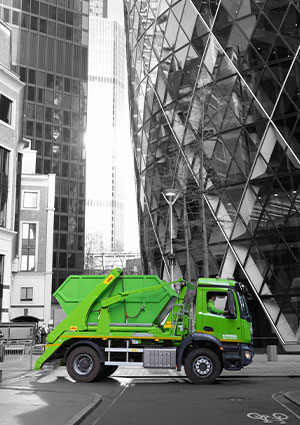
point(79, 417)
point(229, 375)
point(292, 398)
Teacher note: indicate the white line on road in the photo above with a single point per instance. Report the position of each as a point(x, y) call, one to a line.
point(125, 383)
point(281, 393)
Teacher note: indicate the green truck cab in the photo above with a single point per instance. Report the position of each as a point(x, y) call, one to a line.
point(119, 320)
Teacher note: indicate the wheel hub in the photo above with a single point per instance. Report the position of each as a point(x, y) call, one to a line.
point(202, 366)
point(83, 364)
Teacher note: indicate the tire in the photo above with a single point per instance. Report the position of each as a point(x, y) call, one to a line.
point(202, 366)
point(105, 371)
point(83, 364)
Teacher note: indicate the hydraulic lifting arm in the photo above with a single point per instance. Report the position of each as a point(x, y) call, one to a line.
point(77, 320)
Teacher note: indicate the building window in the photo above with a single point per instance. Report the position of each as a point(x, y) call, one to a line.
point(28, 247)
point(4, 157)
point(26, 294)
point(18, 194)
point(5, 109)
point(1, 282)
point(30, 200)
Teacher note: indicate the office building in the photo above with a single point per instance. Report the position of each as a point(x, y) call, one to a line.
point(30, 295)
point(107, 135)
point(49, 52)
point(11, 148)
point(215, 107)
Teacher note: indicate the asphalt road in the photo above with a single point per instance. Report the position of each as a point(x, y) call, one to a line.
point(54, 399)
point(174, 401)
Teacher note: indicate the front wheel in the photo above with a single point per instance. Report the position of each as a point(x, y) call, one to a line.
point(202, 366)
point(83, 364)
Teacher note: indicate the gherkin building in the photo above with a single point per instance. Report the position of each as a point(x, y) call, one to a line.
point(214, 91)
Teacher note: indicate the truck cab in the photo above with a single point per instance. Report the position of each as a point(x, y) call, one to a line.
point(224, 331)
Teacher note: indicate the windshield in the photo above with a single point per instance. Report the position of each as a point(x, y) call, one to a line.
point(244, 307)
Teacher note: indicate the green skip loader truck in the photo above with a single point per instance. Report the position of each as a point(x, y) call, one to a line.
point(119, 320)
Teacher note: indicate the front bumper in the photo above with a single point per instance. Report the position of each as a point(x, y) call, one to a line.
point(237, 356)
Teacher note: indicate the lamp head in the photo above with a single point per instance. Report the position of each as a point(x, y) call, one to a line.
point(171, 195)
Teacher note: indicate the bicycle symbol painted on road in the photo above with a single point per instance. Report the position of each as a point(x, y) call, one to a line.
point(267, 419)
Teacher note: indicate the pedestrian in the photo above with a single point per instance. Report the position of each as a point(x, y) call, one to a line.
point(43, 333)
point(37, 337)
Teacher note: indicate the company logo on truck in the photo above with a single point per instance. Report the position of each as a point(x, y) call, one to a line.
point(229, 336)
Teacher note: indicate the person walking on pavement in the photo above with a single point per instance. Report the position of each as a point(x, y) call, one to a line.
point(43, 333)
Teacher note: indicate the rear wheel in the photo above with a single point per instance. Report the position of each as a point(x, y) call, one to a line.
point(105, 371)
point(83, 364)
point(202, 366)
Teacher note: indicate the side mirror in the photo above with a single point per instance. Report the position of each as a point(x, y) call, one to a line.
point(231, 306)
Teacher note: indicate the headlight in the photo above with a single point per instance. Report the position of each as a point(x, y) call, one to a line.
point(248, 354)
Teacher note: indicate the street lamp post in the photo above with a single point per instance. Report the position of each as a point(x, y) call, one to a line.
point(171, 196)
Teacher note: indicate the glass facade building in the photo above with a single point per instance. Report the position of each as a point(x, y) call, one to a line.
point(215, 107)
point(49, 52)
point(106, 131)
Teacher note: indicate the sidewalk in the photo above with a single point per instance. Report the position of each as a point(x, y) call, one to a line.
point(287, 365)
point(33, 403)
point(23, 401)
point(34, 406)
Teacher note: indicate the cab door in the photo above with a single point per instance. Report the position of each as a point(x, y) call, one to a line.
point(226, 324)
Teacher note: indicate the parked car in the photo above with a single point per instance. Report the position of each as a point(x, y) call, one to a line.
point(2, 347)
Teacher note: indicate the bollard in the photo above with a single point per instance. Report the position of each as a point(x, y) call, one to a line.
point(31, 349)
point(272, 353)
point(0, 376)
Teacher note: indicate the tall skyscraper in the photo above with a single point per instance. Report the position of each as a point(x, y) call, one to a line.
point(216, 114)
point(106, 130)
point(50, 49)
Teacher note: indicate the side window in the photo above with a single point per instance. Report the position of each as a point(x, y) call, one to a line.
point(216, 302)
point(4, 169)
point(26, 294)
point(28, 247)
point(30, 200)
point(5, 109)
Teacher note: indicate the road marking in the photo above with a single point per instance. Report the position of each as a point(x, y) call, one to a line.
point(267, 419)
point(125, 382)
point(276, 398)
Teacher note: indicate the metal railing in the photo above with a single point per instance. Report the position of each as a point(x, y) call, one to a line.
point(14, 350)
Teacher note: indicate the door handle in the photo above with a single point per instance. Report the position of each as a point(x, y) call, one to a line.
point(208, 329)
